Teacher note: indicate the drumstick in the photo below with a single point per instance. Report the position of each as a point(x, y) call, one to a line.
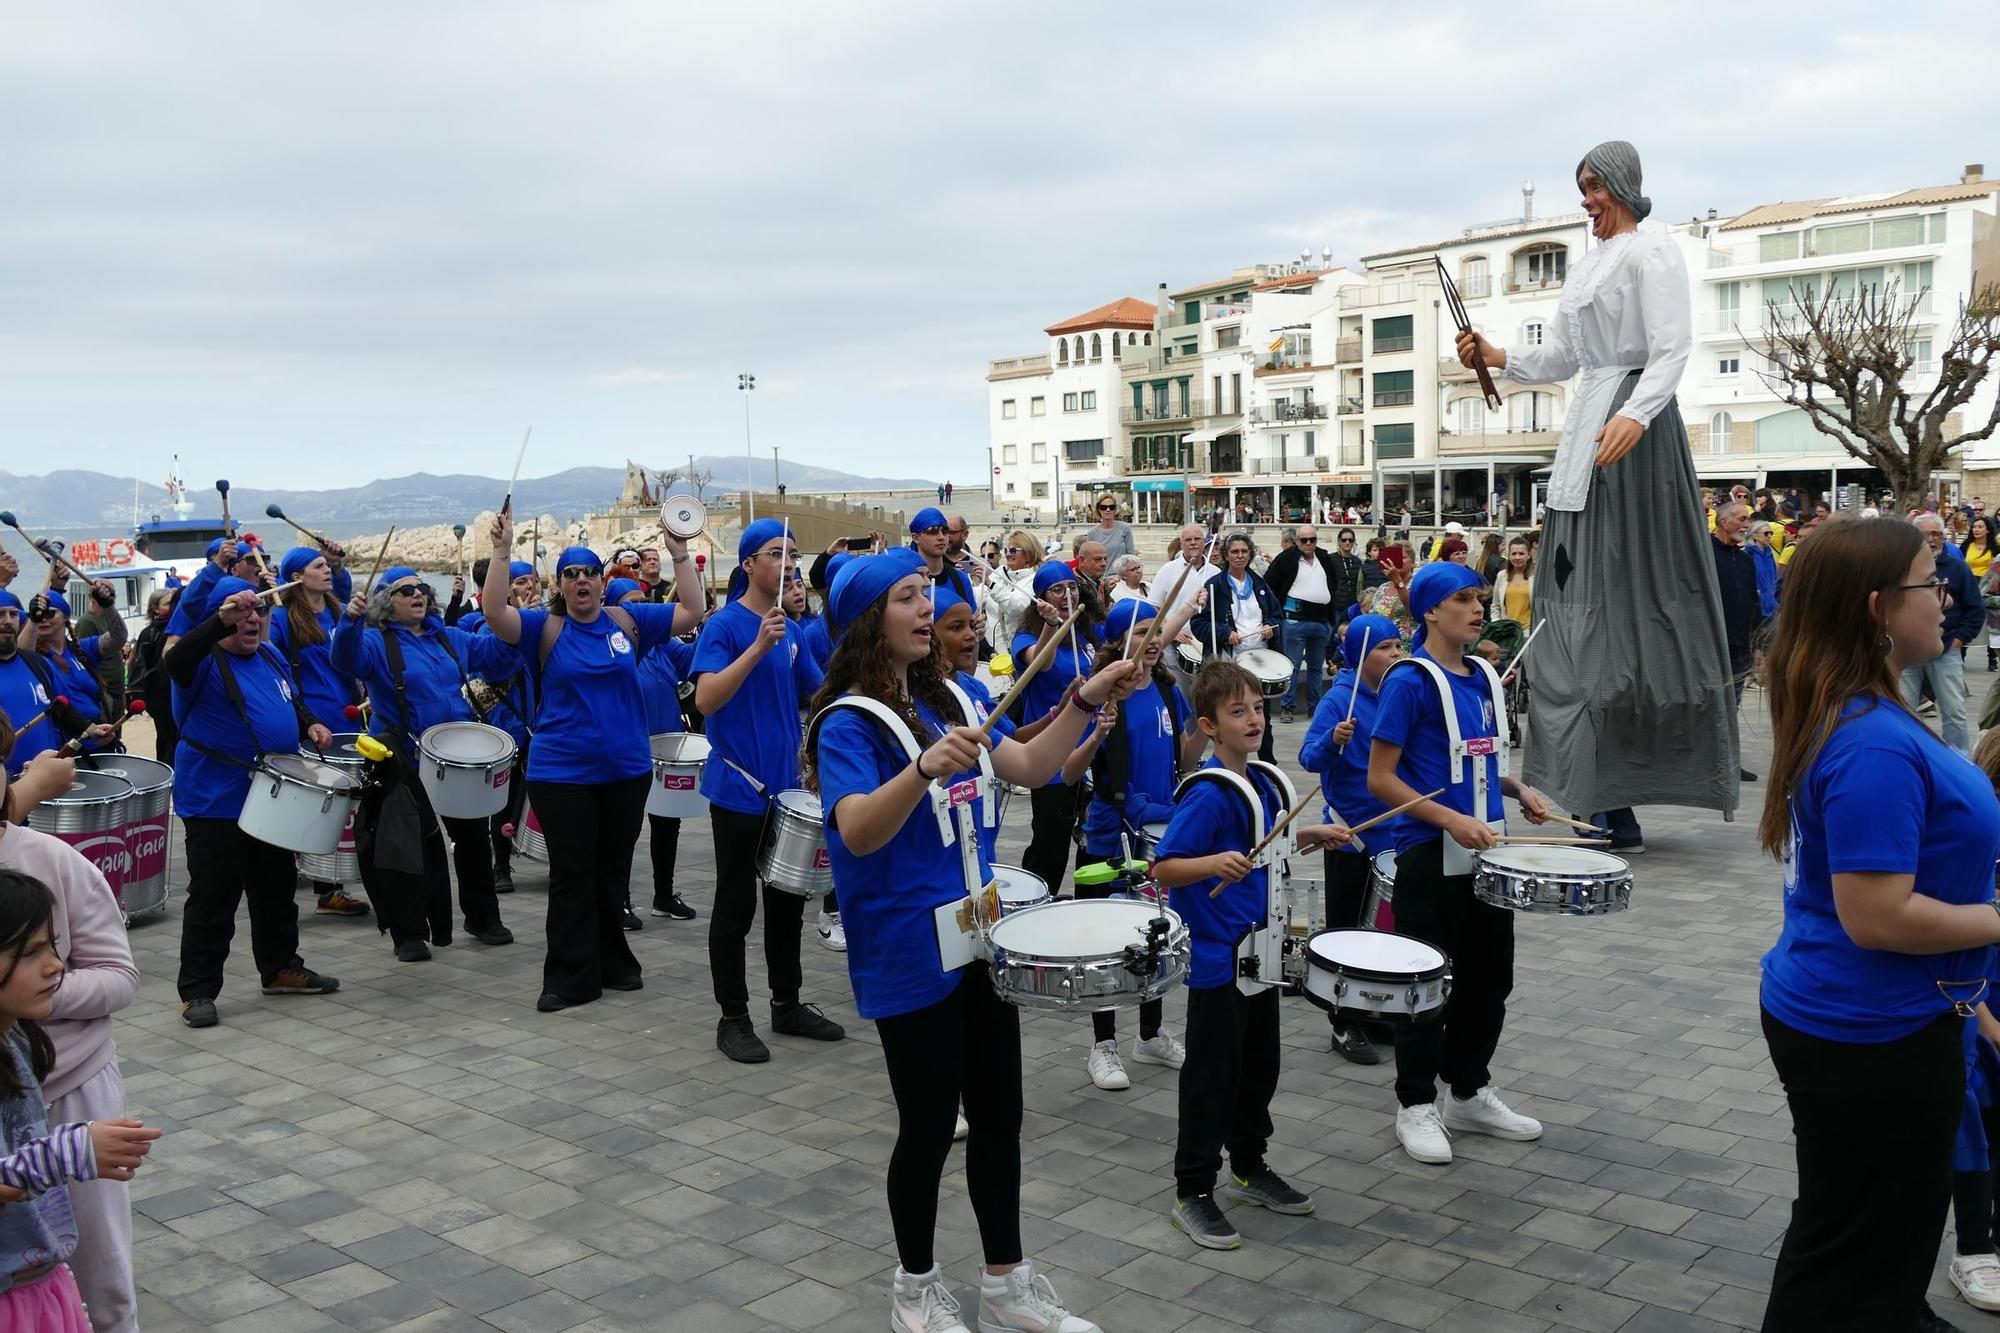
point(1511, 840)
point(273, 592)
point(507, 505)
point(1173, 600)
point(1355, 696)
point(1386, 815)
point(1312, 794)
point(62, 701)
point(1040, 660)
point(380, 556)
point(1515, 665)
point(1575, 823)
point(74, 745)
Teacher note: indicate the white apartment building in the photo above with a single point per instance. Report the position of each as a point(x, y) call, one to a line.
point(1054, 416)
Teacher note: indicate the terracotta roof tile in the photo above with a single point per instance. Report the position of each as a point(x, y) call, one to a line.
point(1127, 312)
point(1765, 215)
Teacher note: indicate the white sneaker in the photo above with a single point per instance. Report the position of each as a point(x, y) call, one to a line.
point(1107, 1071)
point(1023, 1302)
point(961, 1129)
point(1977, 1277)
point(831, 933)
point(1484, 1113)
point(922, 1303)
point(1160, 1049)
point(1421, 1132)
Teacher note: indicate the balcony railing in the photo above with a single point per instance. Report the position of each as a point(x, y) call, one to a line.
point(1171, 410)
point(1499, 441)
point(1386, 293)
point(1284, 361)
point(1521, 282)
point(1224, 310)
point(1395, 397)
point(1018, 365)
point(1271, 467)
point(1351, 404)
point(1474, 288)
point(1347, 351)
point(1402, 344)
point(1278, 413)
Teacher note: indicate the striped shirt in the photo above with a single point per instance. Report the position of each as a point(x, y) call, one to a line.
point(39, 1165)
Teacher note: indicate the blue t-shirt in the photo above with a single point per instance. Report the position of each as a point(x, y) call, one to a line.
point(1411, 715)
point(886, 897)
point(326, 691)
point(1046, 690)
point(209, 788)
point(1343, 774)
point(22, 696)
point(1883, 796)
point(74, 681)
point(432, 682)
point(757, 732)
point(1211, 818)
point(591, 725)
point(818, 643)
point(661, 672)
point(1150, 763)
point(982, 708)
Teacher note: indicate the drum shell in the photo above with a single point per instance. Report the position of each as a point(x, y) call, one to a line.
point(1378, 911)
point(1553, 892)
point(1018, 878)
point(1367, 993)
point(465, 789)
point(343, 864)
point(1272, 669)
point(1083, 981)
point(793, 857)
point(528, 839)
point(296, 815)
point(678, 757)
point(91, 817)
point(149, 838)
point(1146, 842)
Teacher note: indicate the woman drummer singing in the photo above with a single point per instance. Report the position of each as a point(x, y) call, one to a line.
point(302, 626)
point(590, 766)
point(945, 1032)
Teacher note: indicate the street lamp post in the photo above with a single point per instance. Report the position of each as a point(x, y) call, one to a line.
point(747, 384)
point(777, 483)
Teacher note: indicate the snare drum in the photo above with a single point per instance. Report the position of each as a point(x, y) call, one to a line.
point(91, 817)
point(343, 865)
point(793, 857)
point(528, 840)
point(676, 790)
point(1104, 953)
point(148, 827)
point(1562, 881)
point(1187, 658)
point(1146, 845)
point(1376, 974)
point(465, 768)
point(1273, 670)
point(1018, 889)
point(1378, 910)
point(298, 804)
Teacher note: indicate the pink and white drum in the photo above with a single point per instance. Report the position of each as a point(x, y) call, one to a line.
point(90, 817)
point(148, 827)
point(528, 839)
point(341, 865)
point(677, 760)
point(1379, 912)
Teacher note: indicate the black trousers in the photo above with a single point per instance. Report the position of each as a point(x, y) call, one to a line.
point(1874, 1125)
point(1051, 830)
point(1479, 940)
point(165, 736)
point(1104, 1022)
point(591, 829)
point(965, 1048)
point(1227, 1084)
point(1972, 1193)
point(510, 817)
point(418, 907)
point(225, 866)
point(737, 840)
point(1346, 888)
point(666, 845)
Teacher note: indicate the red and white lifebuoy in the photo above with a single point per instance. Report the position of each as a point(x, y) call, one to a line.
point(118, 551)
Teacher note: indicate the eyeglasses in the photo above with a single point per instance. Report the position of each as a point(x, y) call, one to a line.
point(935, 530)
point(1938, 586)
point(408, 590)
point(1346, 541)
point(1010, 550)
point(577, 572)
point(1107, 509)
point(1309, 541)
point(775, 553)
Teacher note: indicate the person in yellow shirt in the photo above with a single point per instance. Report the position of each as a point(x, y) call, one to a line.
point(1980, 547)
point(1514, 586)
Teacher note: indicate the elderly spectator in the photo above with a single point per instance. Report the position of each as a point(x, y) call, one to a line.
point(1091, 562)
point(1012, 589)
point(1190, 548)
point(1763, 536)
point(1304, 579)
point(1965, 616)
point(1112, 532)
point(1128, 579)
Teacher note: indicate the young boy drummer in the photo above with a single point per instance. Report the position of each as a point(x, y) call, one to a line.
point(1420, 747)
point(1231, 1071)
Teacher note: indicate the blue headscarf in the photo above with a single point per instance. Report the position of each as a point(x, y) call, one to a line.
point(224, 589)
point(835, 565)
point(578, 555)
point(295, 562)
point(1377, 630)
point(754, 539)
point(56, 601)
point(391, 577)
point(864, 581)
point(928, 517)
point(944, 597)
point(519, 569)
point(1127, 616)
point(215, 547)
point(1050, 574)
point(618, 590)
point(1432, 584)
point(8, 599)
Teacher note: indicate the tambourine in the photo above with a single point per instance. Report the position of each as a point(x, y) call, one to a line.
point(683, 516)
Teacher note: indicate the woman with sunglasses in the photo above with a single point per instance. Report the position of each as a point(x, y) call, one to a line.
point(1112, 532)
point(590, 765)
point(1012, 587)
point(414, 670)
point(1888, 840)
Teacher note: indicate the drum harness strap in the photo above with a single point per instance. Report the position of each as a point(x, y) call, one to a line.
point(392, 649)
point(1112, 766)
point(949, 805)
point(1466, 751)
point(227, 671)
point(1258, 958)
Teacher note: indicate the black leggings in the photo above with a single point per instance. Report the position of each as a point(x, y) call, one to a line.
point(1051, 831)
point(965, 1048)
point(666, 843)
point(1972, 1193)
point(1478, 938)
point(738, 838)
point(1874, 1125)
point(1104, 1022)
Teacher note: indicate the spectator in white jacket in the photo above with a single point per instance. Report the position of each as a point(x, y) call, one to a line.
point(1012, 589)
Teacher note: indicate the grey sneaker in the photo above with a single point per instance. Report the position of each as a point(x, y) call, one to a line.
point(1267, 1189)
point(1200, 1217)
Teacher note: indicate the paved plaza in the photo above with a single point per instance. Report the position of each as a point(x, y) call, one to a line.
point(423, 1151)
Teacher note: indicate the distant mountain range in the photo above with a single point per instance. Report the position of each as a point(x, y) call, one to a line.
point(70, 498)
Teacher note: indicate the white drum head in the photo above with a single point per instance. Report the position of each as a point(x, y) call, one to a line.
point(1385, 867)
point(1191, 655)
point(683, 516)
point(87, 786)
point(1375, 951)
point(680, 747)
point(340, 750)
point(801, 803)
point(1554, 861)
point(1265, 665)
point(1016, 885)
point(311, 772)
point(467, 743)
point(1074, 929)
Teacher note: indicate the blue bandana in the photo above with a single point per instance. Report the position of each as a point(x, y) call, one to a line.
point(295, 562)
point(224, 589)
point(519, 569)
point(757, 536)
point(618, 590)
point(215, 548)
point(864, 581)
point(1432, 584)
point(1127, 615)
point(56, 601)
point(391, 577)
point(944, 597)
point(1378, 631)
point(1049, 575)
point(928, 517)
point(578, 555)
point(8, 599)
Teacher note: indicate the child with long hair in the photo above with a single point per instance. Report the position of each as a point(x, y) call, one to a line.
point(946, 1034)
point(38, 1231)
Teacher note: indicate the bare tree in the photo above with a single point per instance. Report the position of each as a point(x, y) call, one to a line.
point(1848, 360)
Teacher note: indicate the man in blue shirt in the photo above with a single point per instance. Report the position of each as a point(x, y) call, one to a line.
point(1965, 617)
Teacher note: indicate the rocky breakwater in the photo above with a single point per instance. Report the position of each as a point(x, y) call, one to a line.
point(433, 549)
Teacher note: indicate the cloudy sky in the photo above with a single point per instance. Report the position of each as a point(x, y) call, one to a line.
point(313, 243)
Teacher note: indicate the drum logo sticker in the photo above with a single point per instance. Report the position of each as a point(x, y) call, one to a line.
point(619, 643)
point(821, 861)
point(106, 851)
point(1479, 744)
point(677, 782)
point(146, 846)
point(501, 778)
